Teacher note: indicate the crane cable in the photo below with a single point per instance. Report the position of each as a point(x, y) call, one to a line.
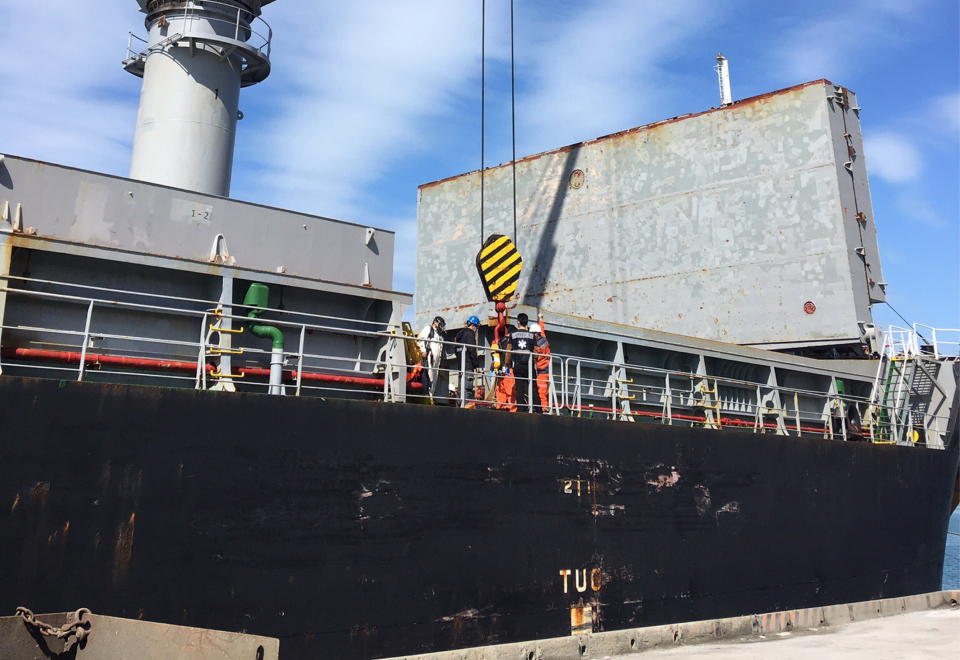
point(483, 90)
point(513, 113)
point(513, 124)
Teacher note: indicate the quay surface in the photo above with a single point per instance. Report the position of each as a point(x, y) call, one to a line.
point(920, 626)
point(915, 635)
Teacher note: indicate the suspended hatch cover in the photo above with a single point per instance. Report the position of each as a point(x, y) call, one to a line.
point(499, 264)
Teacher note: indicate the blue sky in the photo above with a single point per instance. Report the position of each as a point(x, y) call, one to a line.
point(371, 98)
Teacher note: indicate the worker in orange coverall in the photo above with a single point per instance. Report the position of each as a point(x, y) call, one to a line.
point(542, 363)
point(506, 387)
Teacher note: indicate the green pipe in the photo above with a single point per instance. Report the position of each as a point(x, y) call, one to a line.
point(257, 297)
point(267, 332)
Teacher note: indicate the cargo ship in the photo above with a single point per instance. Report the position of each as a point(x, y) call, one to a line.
point(214, 413)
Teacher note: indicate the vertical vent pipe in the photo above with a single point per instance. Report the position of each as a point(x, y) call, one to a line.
point(257, 297)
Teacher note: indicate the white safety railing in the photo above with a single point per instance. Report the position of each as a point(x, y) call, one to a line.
point(939, 343)
point(382, 362)
point(900, 342)
point(211, 21)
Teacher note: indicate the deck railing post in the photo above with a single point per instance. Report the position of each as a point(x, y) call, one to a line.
point(578, 388)
point(668, 403)
point(530, 376)
point(796, 411)
point(463, 376)
point(303, 332)
point(843, 419)
point(201, 379)
point(86, 339)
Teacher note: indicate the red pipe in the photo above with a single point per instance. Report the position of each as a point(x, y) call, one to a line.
point(725, 421)
point(176, 365)
point(100, 358)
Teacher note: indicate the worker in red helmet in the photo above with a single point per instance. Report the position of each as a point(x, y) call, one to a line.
point(541, 350)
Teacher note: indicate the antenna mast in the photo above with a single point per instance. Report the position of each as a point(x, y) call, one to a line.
point(723, 77)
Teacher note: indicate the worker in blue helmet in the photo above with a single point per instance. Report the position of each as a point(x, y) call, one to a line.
point(467, 363)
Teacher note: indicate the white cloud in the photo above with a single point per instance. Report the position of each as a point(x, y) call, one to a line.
point(892, 157)
point(602, 69)
point(839, 44)
point(945, 114)
point(64, 95)
point(918, 208)
point(356, 86)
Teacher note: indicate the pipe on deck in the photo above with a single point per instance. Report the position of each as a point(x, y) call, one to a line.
point(155, 364)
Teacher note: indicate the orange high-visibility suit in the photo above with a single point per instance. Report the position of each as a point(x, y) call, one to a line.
point(542, 365)
point(506, 387)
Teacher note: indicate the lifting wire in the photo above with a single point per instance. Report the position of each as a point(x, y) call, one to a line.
point(513, 113)
point(483, 89)
point(909, 325)
point(513, 124)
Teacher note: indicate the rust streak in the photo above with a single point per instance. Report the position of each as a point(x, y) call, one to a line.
point(40, 492)
point(123, 549)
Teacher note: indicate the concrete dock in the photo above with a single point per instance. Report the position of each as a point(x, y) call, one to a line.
point(917, 635)
point(920, 626)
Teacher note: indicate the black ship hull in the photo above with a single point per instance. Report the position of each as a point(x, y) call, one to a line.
point(363, 530)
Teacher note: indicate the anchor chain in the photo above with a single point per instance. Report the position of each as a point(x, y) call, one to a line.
point(76, 626)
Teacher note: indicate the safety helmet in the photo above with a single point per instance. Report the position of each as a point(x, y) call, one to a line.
point(441, 323)
point(535, 328)
point(473, 320)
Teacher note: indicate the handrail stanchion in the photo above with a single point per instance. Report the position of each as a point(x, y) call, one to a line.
point(843, 419)
point(86, 340)
point(551, 396)
point(463, 376)
point(303, 332)
point(613, 390)
point(668, 400)
point(530, 382)
point(758, 414)
point(796, 411)
point(201, 381)
point(565, 375)
point(579, 391)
